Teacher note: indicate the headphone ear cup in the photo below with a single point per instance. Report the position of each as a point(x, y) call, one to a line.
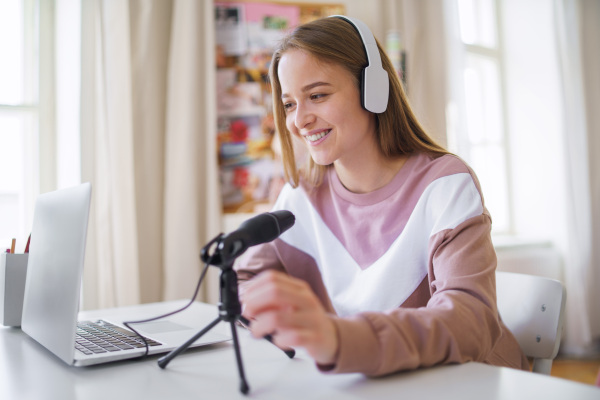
point(363, 97)
point(375, 89)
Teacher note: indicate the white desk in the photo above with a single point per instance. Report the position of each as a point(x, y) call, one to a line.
point(28, 371)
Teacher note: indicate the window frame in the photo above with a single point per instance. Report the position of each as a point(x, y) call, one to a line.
point(39, 141)
point(463, 144)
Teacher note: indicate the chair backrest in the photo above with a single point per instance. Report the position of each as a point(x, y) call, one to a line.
point(532, 307)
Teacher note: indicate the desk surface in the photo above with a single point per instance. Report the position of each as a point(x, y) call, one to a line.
point(28, 371)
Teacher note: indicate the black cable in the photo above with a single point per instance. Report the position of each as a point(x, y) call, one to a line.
point(168, 314)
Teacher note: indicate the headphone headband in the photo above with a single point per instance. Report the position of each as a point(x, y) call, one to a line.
point(375, 84)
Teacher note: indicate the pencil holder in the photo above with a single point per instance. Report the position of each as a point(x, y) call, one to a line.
point(13, 272)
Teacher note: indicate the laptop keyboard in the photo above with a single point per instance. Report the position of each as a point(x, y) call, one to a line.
point(101, 337)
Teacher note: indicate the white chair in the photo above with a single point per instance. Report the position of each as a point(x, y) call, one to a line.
point(532, 307)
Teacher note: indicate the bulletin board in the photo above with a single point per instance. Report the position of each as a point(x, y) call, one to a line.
point(250, 172)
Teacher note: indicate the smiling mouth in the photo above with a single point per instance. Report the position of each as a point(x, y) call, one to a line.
point(317, 136)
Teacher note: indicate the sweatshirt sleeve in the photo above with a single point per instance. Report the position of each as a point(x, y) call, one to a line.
point(257, 259)
point(458, 324)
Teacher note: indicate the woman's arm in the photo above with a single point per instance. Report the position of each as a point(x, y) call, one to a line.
point(458, 324)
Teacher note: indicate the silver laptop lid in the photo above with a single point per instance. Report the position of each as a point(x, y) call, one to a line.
point(55, 268)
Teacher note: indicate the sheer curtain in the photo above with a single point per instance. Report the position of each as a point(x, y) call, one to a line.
point(424, 35)
point(148, 127)
point(578, 40)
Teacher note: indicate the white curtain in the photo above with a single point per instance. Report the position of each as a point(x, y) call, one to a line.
point(590, 42)
point(578, 41)
point(422, 25)
point(148, 129)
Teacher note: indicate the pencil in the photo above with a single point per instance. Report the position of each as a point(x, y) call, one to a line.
point(27, 245)
point(12, 246)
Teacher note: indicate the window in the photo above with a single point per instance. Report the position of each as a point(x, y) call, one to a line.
point(484, 141)
point(19, 117)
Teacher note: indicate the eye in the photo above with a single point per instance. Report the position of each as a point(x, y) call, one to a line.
point(288, 106)
point(317, 96)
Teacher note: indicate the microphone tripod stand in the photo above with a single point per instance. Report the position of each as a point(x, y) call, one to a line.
point(230, 308)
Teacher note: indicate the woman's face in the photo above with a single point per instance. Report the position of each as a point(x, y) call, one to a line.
point(322, 106)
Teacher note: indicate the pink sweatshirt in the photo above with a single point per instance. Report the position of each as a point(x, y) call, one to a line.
point(408, 270)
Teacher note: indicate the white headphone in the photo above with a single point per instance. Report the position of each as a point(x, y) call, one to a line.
point(375, 84)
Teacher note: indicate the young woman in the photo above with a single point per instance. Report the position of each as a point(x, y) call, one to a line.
point(390, 265)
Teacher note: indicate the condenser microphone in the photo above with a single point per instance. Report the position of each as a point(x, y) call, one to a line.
point(263, 228)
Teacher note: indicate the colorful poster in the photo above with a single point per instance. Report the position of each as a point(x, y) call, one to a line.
point(230, 29)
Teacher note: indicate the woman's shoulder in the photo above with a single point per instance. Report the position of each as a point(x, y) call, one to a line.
point(449, 183)
point(444, 165)
point(426, 168)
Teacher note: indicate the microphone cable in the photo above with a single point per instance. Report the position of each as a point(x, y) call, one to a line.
point(127, 323)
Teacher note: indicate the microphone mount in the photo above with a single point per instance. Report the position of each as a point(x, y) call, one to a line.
point(221, 252)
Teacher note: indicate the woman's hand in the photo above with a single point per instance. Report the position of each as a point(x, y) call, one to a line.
point(287, 308)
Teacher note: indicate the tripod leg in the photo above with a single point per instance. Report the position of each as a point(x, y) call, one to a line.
point(244, 388)
point(163, 361)
point(290, 352)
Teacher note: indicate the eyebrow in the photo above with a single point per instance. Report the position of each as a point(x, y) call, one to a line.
point(309, 87)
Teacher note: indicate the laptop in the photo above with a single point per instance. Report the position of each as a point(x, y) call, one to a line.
point(53, 291)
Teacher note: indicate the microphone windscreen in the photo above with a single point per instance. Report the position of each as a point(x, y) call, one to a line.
point(285, 218)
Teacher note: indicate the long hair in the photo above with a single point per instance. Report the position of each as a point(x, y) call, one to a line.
point(335, 41)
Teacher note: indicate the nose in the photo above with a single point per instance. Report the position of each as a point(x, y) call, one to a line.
point(304, 116)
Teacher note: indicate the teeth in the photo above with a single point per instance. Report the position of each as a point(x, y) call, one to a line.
point(317, 136)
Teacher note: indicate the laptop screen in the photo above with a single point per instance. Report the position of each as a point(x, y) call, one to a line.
point(55, 268)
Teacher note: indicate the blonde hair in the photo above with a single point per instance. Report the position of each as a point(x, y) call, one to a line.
point(335, 41)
